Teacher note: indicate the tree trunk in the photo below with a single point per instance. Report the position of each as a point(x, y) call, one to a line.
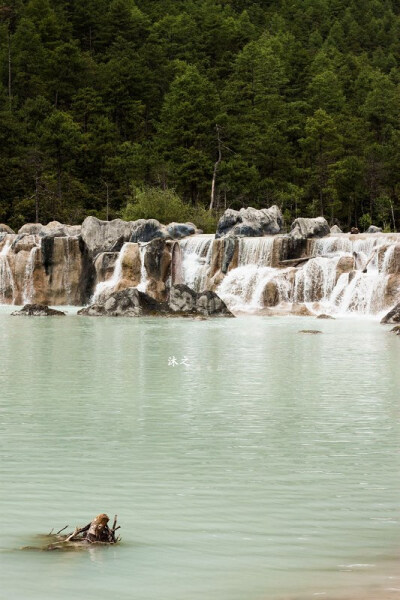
point(37, 199)
point(216, 165)
point(9, 70)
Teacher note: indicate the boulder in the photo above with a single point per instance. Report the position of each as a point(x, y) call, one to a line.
point(354, 231)
point(335, 230)
point(373, 229)
point(393, 316)
point(129, 302)
point(324, 316)
point(145, 230)
point(102, 236)
point(104, 265)
point(5, 228)
point(250, 222)
point(37, 310)
point(396, 329)
point(180, 230)
point(300, 310)
point(210, 304)
point(53, 229)
point(271, 294)
point(182, 298)
point(303, 228)
point(344, 265)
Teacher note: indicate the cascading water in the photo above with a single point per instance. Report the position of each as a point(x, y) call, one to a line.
point(29, 287)
point(110, 284)
point(7, 286)
point(360, 290)
point(243, 287)
point(197, 252)
point(345, 275)
point(142, 287)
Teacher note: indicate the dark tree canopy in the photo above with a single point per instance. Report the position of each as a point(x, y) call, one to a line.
point(299, 102)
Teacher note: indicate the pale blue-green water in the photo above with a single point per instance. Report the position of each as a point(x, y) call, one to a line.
point(267, 469)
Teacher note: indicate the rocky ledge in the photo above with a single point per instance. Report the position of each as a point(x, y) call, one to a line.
point(393, 316)
point(37, 310)
point(183, 301)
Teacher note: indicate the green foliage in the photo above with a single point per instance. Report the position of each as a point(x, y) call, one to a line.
point(365, 221)
point(166, 206)
point(294, 103)
point(156, 203)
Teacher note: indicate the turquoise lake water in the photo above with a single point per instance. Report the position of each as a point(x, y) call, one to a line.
point(266, 468)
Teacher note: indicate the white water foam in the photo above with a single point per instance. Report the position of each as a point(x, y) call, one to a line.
point(197, 252)
point(6, 277)
point(29, 284)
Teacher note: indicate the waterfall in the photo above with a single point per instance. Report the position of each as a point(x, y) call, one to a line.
point(29, 286)
point(110, 284)
point(7, 286)
point(243, 288)
point(67, 268)
point(255, 251)
point(142, 287)
point(197, 252)
point(360, 291)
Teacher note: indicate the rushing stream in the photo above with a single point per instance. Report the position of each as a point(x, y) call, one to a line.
point(266, 469)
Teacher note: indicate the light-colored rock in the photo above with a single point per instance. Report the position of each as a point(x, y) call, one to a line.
point(5, 229)
point(53, 229)
point(102, 236)
point(345, 265)
point(335, 230)
point(309, 228)
point(374, 229)
point(250, 222)
point(300, 310)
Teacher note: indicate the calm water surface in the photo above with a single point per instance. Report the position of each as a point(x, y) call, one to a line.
point(267, 469)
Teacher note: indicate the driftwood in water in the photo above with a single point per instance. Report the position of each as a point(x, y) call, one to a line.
point(365, 269)
point(296, 261)
point(95, 532)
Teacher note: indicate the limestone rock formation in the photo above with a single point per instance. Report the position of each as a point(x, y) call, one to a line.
point(145, 230)
point(178, 231)
point(210, 304)
point(5, 228)
point(335, 230)
point(393, 316)
point(250, 222)
point(37, 310)
point(185, 300)
point(129, 302)
point(102, 236)
point(182, 298)
point(303, 228)
point(53, 229)
point(157, 263)
point(374, 229)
